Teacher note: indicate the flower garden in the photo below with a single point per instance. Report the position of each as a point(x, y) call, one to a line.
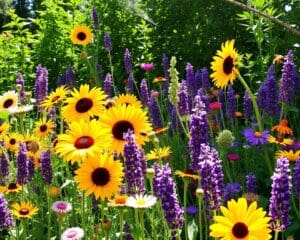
point(98, 146)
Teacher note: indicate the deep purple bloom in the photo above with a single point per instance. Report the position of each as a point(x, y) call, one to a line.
point(46, 168)
point(296, 81)
point(41, 84)
point(280, 196)
point(135, 165)
point(144, 92)
point(231, 190)
point(205, 79)
point(261, 96)
point(191, 210)
point(147, 66)
point(130, 84)
point(233, 157)
point(30, 169)
point(155, 113)
point(20, 81)
point(296, 179)
point(204, 99)
point(248, 108)
point(183, 106)
point(4, 169)
point(190, 79)
point(251, 185)
point(107, 42)
point(127, 61)
point(22, 164)
point(256, 138)
point(231, 102)
point(108, 85)
point(6, 219)
point(166, 65)
point(69, 77)
point(287, 84)
point(165, 189)
point(95, 18)
point(221, 99)
point(198, 79)
point(271, 100)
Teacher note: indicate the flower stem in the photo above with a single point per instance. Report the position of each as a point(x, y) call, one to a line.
point(185, 187)
point(141, 211)
point(276, 235)
point(121, 223)
point(49, 215)
point(181, 123)
point(199, 216)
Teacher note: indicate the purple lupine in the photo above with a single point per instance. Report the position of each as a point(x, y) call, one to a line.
point(231, 190)
point(20, 81)
point(166, 65)
point(135, 165)
point(6, 219)
point(287, 84)
point(95, 18)
point(108, 85)
point(221, 99)
point(262, 96)
point(175, 124)
point(251, 185)
point(41, 84)
point(46, 168)
point(247, 106)
point(107, 42)
point(130, 84)
point(205, 79)
point(280, 196)
point(22, 164)
point(4, 169)
point(144, 92)
point(183, 105)
point(199, 131)
point(198, 79)
point(190, 79)
point(296, 179)
point(164, 188)
point(271, 107)
point(127, 61)
point(154, 113)
point(231, 102)
point(204, 99)
point(69, 76)
point(212, 178)
point(30, 169)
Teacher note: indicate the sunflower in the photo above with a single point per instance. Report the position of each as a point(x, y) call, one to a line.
point(160, 153)
point(81, 35)
point(82, 140)
point(224, 65)
point(282, 128)
point(9, 99)
point(4, 127)
point(43, 128)
point(24, 210)
point(11, 188)
point(12, 140)
point(188, 174)
point(55, 98)
point(100, 175)
point(84, 104)
point(280, 140)
point(120, 118)
point(240, 222)
point(128, 99)
point(290, 155)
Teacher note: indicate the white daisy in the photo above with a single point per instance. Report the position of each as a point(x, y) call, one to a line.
point(75, 233)
point(141, 201)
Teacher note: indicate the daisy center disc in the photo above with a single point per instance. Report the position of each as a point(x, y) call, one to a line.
point(12, 141)
point(100, 176)
point(24, 211)
point(228, 65)
point(43, 128)
point(84, 105)
point(81, 36)
point(257, 134)
point(8, 103)
point(84, 142)
point(12, 186)
point(120, 128)
point(71, 234)
point(141, 202)
point(240, 230)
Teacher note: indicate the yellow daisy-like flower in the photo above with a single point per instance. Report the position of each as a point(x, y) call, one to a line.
point(81, 35)
point(240, 222)
point(128, 99)
point(9, 99)
point(82, 140)
point(160, 153)
point(290, 155)
point(280, 140)
point(24, 210)
point(159, 80)
point(4, 127)
point(119, 119)
point(188, 173)
point(11, 188)
point(55, 98)
point(84, 104)
point(43, 128)
point(224, 65)
point(12, 140)
point(100, 175)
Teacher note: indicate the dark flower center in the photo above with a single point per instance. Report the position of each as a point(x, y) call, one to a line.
point(84, 142)
point(12, 186)
point(24, 211)
point(12, 141)
point(8, 103)
point(240, 230)
point(43, 128)
point(188, 171)
point(100, 176)
point(228, 65)
point(120, 128)
point(279, 139)
point(81, 36)
point(83, 105)
point(55, 99)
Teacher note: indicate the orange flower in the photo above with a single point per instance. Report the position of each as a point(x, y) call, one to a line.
point(282, 128)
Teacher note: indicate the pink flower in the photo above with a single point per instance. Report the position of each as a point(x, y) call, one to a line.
point(61, 207)
point(215, 106)
point(75, 233)
point(147, 66)
point(233, 157)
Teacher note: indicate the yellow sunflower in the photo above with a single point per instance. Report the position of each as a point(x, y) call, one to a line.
point(120, 118)
point(55, 98)
point(160, 153)
point(100, 175)
point(35, 158)
point(82, 140)
point(84, 104)
point(24, 210)
point(12, 140)
point(224, 65)
point(43, 128)
point(81, 35)
point(188, 174)
point(240, 222)
point(9, 99)
point(128, 99)
point(11, 188)
point(290, 155)
point(4, 127)
point(280, 140)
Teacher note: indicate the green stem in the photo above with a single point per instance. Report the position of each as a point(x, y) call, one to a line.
point(24, 229)
point(49, 214)
point(83, 210)
point(200, 218)
point(185, 187)
point(121, 223)
point(137, 223)
point(276, 235)
point(141, 211)
point(181, 123)
point(112, 73)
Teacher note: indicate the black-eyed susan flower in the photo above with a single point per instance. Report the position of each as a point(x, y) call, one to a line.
point(11, 188)
point(161, 153)
point(291, 155)
point(8, 100)
point(100, 175)
point(117, 120)
point(44, 127)
point(4, 127)
point(127, 99)
point(83, 139)
point(84, 104)
point(240, 222)
point(188, 174)
point(24, 210)
point(224, 65)
point(12, 140)
point(55, 98)
point(81, 35)
point(280, 140)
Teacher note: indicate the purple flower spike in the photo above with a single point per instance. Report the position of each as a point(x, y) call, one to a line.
point(205, 79)
point(144, 93)
point(127, 61)
point(46, 168)
point(95, 18)
point(107, 42)
point(6, 219)
point(22, 164)
point(296, 179)
point(154, 113)
point(108, 85)
point(251, 185)
point(231, 102)
point(248, 108)
point(183, 106)
point(41, 84)
point(230, 191)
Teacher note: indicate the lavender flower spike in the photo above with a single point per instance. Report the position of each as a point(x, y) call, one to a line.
point(107, 42)
point(154, 113)
point(46, 168)
point(144, 93)
point(6, 219)
point(183, 106)
point(20, 81)
point(127, 61)
point(108, 85)
point(22, 164)
point(296, 179)
point(95, 18)
point(231, 102)
point(41, 84)
point(247, 106)
point(251, 183)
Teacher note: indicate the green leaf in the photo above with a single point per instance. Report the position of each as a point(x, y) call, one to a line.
point(192, 230)
point(4, 115)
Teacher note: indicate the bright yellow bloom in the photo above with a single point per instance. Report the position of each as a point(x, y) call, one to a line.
point(290, 155)
point(9, 99)
point(128, 99)
point(55, 98)
point(24, 210)
point(160, 153)
point(81, 35)
point(280, 140)
point(188, 173)
point(44, 127)
point(12, 140)
point(11, 188)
